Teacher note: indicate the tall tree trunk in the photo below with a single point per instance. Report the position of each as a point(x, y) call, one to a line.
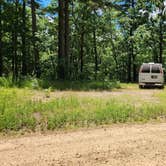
point(61, 41)
point(14, 43)
point(133, 53)
point(66, 48)
point(161, 39)
point(155, 55)
point(134, 69)
point(95, 53)
point(130, 57)
point(1, 59)
point(129, 68)
point(82, 51)
point(34, 37)
point(14, 56)
point(114, 54)
point(24, 52)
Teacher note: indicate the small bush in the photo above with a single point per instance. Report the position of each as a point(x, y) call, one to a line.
point(33, 83)
point(77, 85)
point(6, 82)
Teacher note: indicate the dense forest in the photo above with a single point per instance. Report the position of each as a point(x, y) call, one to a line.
point(81, 39)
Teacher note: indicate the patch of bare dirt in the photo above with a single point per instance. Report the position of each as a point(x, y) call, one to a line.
point(124, 145)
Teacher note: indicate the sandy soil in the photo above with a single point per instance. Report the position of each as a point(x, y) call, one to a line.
point(118, 145)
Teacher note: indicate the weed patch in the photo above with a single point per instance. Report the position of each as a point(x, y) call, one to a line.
point(18, 111)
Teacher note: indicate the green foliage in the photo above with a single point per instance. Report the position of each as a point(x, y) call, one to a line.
point(114, 38)
point(6, 82)
point(33, 83)
point(14, 111)
point(80, 85)
point(29, 82)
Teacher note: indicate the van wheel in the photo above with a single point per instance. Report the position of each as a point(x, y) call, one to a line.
point(140, 87)
point(162, 87)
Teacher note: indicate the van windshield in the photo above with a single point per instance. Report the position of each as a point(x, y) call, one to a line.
point(155, 69)
point(145, 69)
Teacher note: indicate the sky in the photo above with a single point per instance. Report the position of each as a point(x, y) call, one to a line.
point(45, 2)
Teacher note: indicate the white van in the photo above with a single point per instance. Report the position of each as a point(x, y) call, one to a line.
point(151, 74)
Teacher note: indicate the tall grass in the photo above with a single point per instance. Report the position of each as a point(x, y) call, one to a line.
point(18, 111)
point(6, 82)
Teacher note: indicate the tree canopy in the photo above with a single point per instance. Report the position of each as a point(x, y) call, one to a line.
point(81, 39)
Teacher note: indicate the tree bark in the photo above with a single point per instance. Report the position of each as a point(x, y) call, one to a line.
point(34, 37)
point(133, 53)
point(129, 57)
point(15, 43)
point(134, 69)
point(24, 52)
point(95, 53)
point(61, 41)
point(82, 51)
point(161, 39)
point(66, 12)
point(1, 59)
point(132, 56)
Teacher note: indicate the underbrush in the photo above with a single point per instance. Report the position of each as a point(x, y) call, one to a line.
point(18, 111)
point(81, 85)
point(33, 83)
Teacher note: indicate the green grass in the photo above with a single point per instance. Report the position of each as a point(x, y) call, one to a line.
point(129, 86)
point(18, 111)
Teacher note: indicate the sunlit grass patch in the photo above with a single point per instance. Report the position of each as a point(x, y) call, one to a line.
point(129, 86)
point(19, 111)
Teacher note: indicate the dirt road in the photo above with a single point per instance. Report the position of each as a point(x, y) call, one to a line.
point(119, 145)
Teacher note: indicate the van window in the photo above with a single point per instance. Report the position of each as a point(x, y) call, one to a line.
point(155, 69)
point(145, 69)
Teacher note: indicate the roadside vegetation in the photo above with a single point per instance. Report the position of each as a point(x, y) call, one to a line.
point(25, 109)
point(34, 83)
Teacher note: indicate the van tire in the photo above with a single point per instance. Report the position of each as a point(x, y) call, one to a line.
point(140, 87)
point(162, 87)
